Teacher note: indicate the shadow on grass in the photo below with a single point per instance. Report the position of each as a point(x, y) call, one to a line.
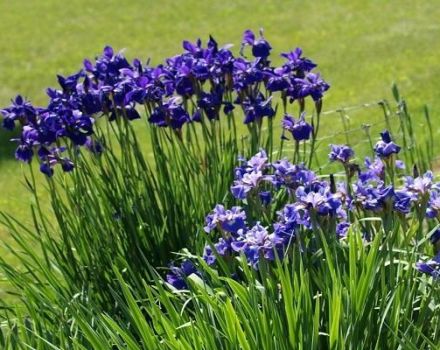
point(7, 147)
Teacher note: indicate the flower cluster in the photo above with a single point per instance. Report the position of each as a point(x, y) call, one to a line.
point(313, 201)
point(307, 203)
point(201, 83)
point(371, 192)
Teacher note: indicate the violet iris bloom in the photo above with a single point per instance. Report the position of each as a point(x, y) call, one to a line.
point(229, 220)
point(341, 153)
point(299, 129)
point(385, 147)
point(260, 47)
point(257, 108)
point(375, 170)
point(420, 184)
point(433, 209)
point(254, 243)
point(430, 267)
point(342, 229)
point(20, 110)
point(311, 85)
point(177, 275)
point(294, 62)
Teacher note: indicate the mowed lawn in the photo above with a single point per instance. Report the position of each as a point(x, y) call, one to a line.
point(361, 48)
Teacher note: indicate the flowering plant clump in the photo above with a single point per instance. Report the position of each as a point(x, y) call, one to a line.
point(286, 204)
point(196, 86)
point(284, 247)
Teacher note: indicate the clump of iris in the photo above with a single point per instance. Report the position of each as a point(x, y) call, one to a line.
point(202, 83)
point(310, 203)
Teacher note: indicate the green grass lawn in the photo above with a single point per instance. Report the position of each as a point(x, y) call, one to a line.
point(361, 47)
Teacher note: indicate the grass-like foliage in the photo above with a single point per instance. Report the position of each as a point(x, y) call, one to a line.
point(338, 258)
point(340, 297)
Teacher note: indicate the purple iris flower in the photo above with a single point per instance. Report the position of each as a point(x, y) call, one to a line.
point(200, 70)
point(50, 157)
point(385, 193)
point(420, 184)
point(177, 275)
point(69, 83)
point(91, 103)
point(20, 110)
point(249, 181)
point(386, 147)
point(110, 85)
point(430, 267)
point(341, 212)
point(78, 127)
point(375, 196)
point(299, 129)
point(304, 176)
point(289, 220)
point(184, 86)
point(228, 108)
point(278, 80)
point(366, 195)
point(224, 246)
point(131, 113)
point(240, 191)
point(211, 103)
point(195, 49)
point(260, 47)
point(158, 117)
point(177, 115)
point(8, 122)
point(265, 197)
point(208, 255)
point(197, 116)
point(375, 170)
point(66, 164)
point(341, 153)
point(252, 179)
point(249, 175)
point(29, 138)
point(400, 164)
point(257, 108)
point(46, 169)
point(286, 231)
point(284, 168)
point(311, 85)
point(294, 62)
point(342, 229)
point(254, 243)
point(24, 153)
point(229, 220)
point(290, 175)
point(258, 162)
point(30, 135)
point(403, 201)
point(245, 73)
point(107, 67)
point(318, 199)
point(433, 204)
